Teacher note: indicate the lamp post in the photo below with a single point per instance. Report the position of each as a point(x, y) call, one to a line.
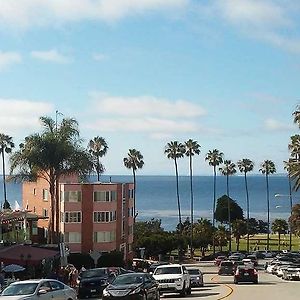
point(291, 207)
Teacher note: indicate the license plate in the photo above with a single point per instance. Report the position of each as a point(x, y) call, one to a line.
point(246, 274)
point(164, 286)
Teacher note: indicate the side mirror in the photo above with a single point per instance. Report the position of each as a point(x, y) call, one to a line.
point(42, 291)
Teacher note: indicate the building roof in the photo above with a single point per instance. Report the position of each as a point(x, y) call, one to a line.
point(7, 216)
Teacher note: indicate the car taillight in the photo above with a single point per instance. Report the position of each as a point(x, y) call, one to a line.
point(237, 272)
point(255, 272)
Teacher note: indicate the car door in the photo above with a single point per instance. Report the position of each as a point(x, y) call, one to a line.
point(57, 290)
point(45, 286)
point(150, 286)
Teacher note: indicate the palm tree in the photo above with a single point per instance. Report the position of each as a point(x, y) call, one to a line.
point(245, 165)
point(175, 150)
point(192, 148)
point(239, 228)
point(134, 161)
point(214, 158)
point(280, 226)
point(296, 115)
point(6, 146)
point(267, 168)
point(98, 148)
point(55, 152)
point(227, 170)
point(294, 146)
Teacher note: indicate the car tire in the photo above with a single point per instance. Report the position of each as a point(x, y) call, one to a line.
point(255, 281)
point(189, 290)
point(183, 291)
point(236, 282)
point(157, 295)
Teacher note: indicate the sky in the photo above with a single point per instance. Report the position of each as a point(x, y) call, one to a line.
point(142, 73)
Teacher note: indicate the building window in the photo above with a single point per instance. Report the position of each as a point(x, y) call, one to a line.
point(130, 193)
point(45, 212)
point(72, 217)
point(72, 196)
point(104, 236)
point(105, 196)
point(34, 191)
point(72, 237)
point(45, 195)
point(105, 216)
point(130, 230)
point(34, 228)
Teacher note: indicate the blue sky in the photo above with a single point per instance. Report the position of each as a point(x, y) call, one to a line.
point(141, 73)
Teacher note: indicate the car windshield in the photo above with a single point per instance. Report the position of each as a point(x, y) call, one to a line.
point(94, 273)
point(128, 279)
point(169, 270)
point(227, 263)
point(20, 289)
point(193, 271)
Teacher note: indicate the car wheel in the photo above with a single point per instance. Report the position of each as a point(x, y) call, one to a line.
point(144, 296)
point(189, 290)
point(235, 281)
point(255, 281)
point(157, 295)
point(183, 291)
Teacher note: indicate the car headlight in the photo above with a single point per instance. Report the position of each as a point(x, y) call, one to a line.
point(106, 293)
point(198, 278)
point(135, 291)
point(178, 279)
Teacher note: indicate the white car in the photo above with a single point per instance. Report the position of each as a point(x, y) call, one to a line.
point(38, 289)
point(173, 278)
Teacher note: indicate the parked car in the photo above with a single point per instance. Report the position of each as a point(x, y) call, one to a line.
point(196, 276)
point(253, 259)
point(226, 267)
point(173, 278)
point(237, 263)
point(292, 273)
point(93, 281)
point(37, 289)
point(136, 286)
point(218, 259)
point(245, 274)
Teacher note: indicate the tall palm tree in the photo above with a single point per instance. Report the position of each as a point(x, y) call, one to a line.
point(214, 158)
point(54, 152)
point(267, 168)
point(175, 150)
point(279, 226)
point(134, 161)
point(294, 146)
point(246, 165)
point(98, 148)
point(296, 115)
point(6, 146)
point(192, 148)
point(228, 169)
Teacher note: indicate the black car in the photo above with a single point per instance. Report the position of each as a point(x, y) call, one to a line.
point(226, 267)
point(245, 274)
point(93, 281)
point(135, 286)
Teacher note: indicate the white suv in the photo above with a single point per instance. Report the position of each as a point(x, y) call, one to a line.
point(173, 278)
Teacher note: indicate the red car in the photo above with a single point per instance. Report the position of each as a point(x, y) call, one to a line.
point(245, 274)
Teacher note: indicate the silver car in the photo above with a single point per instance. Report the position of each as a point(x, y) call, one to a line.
point(42, 289)
point(196, 277)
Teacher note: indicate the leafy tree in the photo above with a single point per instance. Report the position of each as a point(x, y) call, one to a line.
point(294, 146)
point(221, 213)
point(55, 152)
point(267, 168)
point(175, 150)
point(221, 236)
point(262, 226)
point(279, 226)
point(134, 161)
point(6, 146)
point(214, 158)
point(294, 219)
point(245, 165)
point(98, 148)
point(239, 228)
point(203, 231)
point(192, 148)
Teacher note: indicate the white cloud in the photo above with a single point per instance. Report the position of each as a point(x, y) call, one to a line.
point(99, 56)
point(9, 58)
point(51, 55)
point(274, 125)
point(26, 13)
point(18, 116)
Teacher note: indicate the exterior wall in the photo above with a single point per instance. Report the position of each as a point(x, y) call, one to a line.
point(32, 195)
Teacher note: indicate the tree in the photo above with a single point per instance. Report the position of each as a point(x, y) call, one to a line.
point(245, 165)
point(267, 168)
point(55, 152)
point(134, 161)
point(6, 146)
point(221, 236)
point(227, 170)
point(203, 234)
point(214, 158)
point(279, 226)
point(175, 150)
point(192, 148)
point(221, 213)
point(239, 228)
point(294, 219)
point(98, 148)
point(294, 146)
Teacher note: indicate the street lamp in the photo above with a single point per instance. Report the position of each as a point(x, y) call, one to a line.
point(291, 207)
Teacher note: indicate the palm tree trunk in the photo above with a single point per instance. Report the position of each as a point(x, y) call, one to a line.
point(278, 241)
point(52, 215)
point(57, 210)
point(228, 207)
point(192, 204)
point(98, 167)
point(178, 199)
point(214, 205)
point(291, 207)
point(134, 183)
point(247, 199)
point(4, 177)
point(268, 211)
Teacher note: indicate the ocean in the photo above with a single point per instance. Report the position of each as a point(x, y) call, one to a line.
point(156, 196)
